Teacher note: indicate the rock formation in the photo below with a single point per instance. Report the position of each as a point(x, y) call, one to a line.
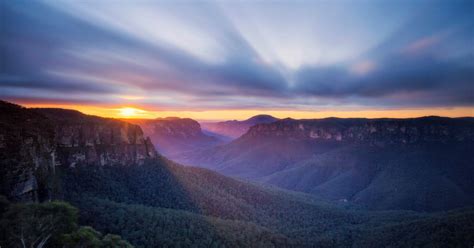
point(375, 131)
point(174, 135)
point(33, 142)
point(418, 164)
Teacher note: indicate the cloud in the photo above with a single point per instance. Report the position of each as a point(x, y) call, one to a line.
point(393, 75)
point(180, 56)
point(407, 69)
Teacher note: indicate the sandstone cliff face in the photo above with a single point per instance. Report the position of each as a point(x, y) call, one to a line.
point(171, 126)
point(33, 142)
point(375, 131)
point(422, 164)
point(269, 148)
point(82, 139)
point(175, 135)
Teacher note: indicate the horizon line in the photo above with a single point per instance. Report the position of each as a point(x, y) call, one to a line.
point(240, 115)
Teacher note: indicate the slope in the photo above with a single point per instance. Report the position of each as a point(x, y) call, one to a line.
point(234, 128)
point(417, 164)
point(174, 135)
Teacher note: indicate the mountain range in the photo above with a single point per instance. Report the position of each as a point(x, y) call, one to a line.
point(122, 185)
point(416, 164)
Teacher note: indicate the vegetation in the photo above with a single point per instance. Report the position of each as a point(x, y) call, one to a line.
point(166, 205)
point(161, 227)
point(451, 229)
point(52, 224)
point(421, 178)
point(163, 204)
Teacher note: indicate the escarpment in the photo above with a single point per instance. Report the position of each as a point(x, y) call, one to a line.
point(34, 142)
point(374, 131)
point(376, 163)
point(174, 135)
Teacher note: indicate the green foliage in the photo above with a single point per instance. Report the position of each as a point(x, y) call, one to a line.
point(51, 224)
point(428, 177)
point(160, 227)
point(202, 192)
point(35, 225)
point(85, 236)
point(451, 229)
point(161, 204)
point(114, 241)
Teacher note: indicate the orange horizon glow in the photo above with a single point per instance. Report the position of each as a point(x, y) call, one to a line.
point(129, 112)
point(132, 112)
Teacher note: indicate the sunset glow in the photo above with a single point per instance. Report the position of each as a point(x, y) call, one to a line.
point(130, 112)
point(236, 123)
point(231, 114)
point(223, 60)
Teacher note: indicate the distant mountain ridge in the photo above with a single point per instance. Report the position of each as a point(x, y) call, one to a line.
point(379, 163)
point(234, 129)
point(424, 129)
point(172, 135)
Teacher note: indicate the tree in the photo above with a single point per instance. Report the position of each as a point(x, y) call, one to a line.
point(52, 224)
point(113, 241)
point(34, 225)
point(85, 236)
point(4, 204)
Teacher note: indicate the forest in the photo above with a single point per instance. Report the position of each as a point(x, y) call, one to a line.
point(163, 204)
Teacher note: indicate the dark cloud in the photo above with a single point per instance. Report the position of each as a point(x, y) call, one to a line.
point(427, 62)
point(396, 75)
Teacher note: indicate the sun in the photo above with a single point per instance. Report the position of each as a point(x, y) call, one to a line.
point(130, 112)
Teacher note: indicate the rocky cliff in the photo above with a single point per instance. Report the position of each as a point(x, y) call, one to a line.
point(33, 142)
point(375, 131)
point(419, 164)
point(174, 135)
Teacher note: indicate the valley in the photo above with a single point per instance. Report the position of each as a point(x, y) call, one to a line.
point(172, 135)
point(234, 128)
point(112, 173)
point(413, 164)
point(236, 124)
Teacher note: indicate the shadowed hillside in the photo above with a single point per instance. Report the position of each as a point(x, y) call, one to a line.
point(174, 135)
point(234, 129)
point(417, 164)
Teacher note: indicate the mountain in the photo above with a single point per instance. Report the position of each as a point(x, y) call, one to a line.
point(120, 185)
point(234, 129)
point(34, 142)
point(418, 164)
point(174, 135)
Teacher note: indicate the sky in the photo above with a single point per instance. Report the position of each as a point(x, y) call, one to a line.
point(214, 60)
